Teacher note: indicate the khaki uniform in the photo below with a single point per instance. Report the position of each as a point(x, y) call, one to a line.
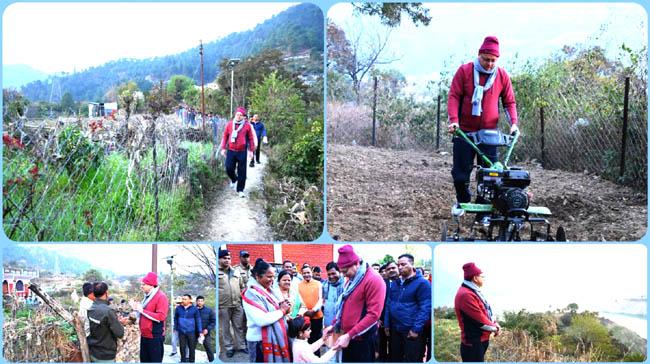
point(231, 312)
point(244, 273)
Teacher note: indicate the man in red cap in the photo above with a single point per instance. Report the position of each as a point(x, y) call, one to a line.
point(473, 105)
point(359, 309)
point(152, 313)
point(474, 316)
point(237, 135)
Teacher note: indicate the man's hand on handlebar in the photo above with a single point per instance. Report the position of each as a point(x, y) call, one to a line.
point(514, 129)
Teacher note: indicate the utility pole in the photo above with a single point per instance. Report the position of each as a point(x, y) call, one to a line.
point(232, 63)
point(202, 90)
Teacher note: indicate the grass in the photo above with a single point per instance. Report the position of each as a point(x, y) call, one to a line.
point(103, 203)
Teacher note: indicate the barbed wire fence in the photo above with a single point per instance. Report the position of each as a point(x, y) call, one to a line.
point(599, 131)
point(97, 180)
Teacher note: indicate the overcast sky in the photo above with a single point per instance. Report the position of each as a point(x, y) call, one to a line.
point(526, 31)
point(126, 259)
point(538, 277)
point(54, 37)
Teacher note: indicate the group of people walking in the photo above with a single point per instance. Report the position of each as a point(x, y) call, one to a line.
point(104, 325)
point(297, 315)
point(241, 143)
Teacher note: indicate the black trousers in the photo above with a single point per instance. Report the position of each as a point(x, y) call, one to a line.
point(475, 352)
point(384, 345)
point(151, 350)
point(237, 160)
point(361, 351)
point(208, 344)
point(257, 151)
point(187, 341)
point(316, 332)
point(406, 350)
point(464, 156)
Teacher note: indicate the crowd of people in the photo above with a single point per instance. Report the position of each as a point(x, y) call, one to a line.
point(356, 312)
point(104, 322)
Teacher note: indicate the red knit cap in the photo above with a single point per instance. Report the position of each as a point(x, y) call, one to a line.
point(471, 270)
point(241, 110)
point(347, 257)
point(490, 46)
point(151, 279)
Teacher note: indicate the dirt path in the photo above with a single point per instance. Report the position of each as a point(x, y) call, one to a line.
point(230, 218)
point(386, 195)
point(199, 355)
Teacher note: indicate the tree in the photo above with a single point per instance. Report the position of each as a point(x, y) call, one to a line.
point(391, 13)
point(249, 71)
point(280, 104)
point(206, 257)
point(127, 97)
point(178, 85)
point(217, 102)
point(386, 259)
point(356, 57)
point(159, 101)
point(572, 307)
point(14, 105)
point(93, 275)
point(67, 103)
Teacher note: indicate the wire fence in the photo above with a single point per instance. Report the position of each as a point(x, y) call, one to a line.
point(103, 179)
point(599, 129)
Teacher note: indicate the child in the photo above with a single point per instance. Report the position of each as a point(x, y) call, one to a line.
point(303, 352)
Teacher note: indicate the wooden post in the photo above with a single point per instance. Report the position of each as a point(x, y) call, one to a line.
point(154, 258)
point(438, 124)
point(73, 320)
point(374, 113)
point(81, 334)
point(624, 139)
point(541, 124)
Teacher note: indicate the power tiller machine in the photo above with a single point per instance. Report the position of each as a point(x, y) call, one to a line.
point(507, 212)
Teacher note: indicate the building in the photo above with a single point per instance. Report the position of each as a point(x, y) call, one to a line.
point(16, 282)
point(313, 254)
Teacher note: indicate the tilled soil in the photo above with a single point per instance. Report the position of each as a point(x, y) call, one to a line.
point(387, 195)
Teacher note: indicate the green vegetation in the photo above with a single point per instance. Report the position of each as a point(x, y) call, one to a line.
point(562, 335)
point(92, 195)
point(293, 184)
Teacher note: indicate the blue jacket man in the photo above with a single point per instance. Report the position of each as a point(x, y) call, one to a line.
point(408, 308)
point(208, 323)
point(187, 322)
point(260, 132)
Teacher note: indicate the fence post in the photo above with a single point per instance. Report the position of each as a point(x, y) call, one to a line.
point(438, 124)
point(624, 139)
point(155, 180)
point(374, 112)
point(541, 124)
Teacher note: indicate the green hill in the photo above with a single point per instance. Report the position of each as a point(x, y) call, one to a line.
point(296, 30)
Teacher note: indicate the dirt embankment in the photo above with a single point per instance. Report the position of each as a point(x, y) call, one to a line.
point(387, 195)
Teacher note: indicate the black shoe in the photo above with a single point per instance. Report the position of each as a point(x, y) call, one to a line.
point(245, 351)
point(230, 353)
point(258, 162)
point(251, 164)
point(172, 354)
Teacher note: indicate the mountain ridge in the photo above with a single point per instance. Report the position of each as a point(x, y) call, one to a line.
point(295, 30)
